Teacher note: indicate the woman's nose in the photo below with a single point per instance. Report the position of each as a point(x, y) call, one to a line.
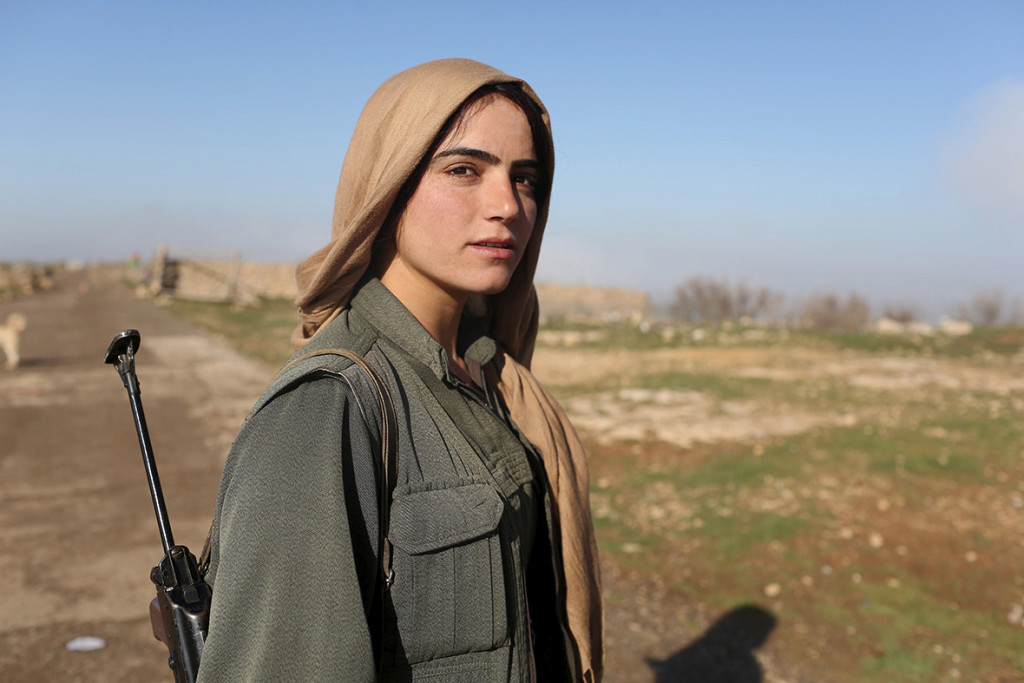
point(502, 199)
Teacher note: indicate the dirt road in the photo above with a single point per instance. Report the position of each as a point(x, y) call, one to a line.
point(77, 529)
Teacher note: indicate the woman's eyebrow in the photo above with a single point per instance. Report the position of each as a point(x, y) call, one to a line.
point(469, 152)
point(486, 157)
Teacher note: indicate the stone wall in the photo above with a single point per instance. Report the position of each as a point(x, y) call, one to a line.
point(270, 280)
point(232, 280)
point(24, 278)
point(216, 280)
point(592, 304)
point(243, 282)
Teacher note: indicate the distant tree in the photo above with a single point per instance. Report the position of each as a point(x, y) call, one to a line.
point(900, 313)
point(702, 299)
point(984, 309)
point(829, 313)
point(1016, 316)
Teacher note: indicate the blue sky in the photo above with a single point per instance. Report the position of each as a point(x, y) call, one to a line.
point(875, 147)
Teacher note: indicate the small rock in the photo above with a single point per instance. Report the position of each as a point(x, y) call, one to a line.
point(971, 556)
point(772, 590)
point(1016, 615)
point(86, 644)
point(876, 540)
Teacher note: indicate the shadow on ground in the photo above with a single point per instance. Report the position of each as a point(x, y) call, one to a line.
point(724, 653)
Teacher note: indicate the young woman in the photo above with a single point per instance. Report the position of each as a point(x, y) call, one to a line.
point(438, 222)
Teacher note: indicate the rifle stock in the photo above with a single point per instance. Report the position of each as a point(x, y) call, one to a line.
point(180, 612)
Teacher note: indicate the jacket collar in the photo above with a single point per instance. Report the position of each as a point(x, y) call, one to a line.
point(381, 309)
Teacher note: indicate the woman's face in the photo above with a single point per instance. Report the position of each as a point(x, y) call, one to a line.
point(467, 224)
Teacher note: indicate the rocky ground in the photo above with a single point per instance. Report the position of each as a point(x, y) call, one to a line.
point(912, 505)
point(77, 532)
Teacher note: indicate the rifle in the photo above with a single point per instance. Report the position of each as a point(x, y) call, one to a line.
point(180, 612)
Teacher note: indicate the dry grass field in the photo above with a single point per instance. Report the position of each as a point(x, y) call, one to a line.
point(790, 507)
point(865, 494)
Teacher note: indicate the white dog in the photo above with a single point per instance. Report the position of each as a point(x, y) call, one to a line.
point(10, 335)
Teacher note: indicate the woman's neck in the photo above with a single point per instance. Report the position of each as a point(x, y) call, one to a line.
point(440, 315)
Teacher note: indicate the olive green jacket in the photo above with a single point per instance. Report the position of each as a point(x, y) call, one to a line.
point(294, 546)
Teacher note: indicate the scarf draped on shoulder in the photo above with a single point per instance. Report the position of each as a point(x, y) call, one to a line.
point(394, 132)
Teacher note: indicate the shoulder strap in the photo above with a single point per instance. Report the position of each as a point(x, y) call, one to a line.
point(386, 487)
point(389, 453)
point(389, 460)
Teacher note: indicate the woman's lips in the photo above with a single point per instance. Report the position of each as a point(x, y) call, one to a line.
point(497, 249)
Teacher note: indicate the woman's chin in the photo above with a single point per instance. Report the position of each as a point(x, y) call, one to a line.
point(493, 283)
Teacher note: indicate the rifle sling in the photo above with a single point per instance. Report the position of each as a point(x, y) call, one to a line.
point(386, 485)
point(389, 452)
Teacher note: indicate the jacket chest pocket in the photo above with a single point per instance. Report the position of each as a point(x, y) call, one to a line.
point(449, 590)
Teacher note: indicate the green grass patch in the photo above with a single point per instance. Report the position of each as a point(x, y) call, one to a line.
point(899, 665)
point(600, 337)
point(894, 451)
point(260, 332)
point(902, 625)
point(877, 343)
point(722, 386)
point(906, 451)
point(718, 385)
point(738, 467)
point(1002, 341)
point(989, 440)
point(625, 335)
point(963, 450)
point(739, 535)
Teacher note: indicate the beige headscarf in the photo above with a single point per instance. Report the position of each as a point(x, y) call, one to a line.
point(393, 134)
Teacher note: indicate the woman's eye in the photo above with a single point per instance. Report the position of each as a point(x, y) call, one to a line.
point(461, 171)
point(527, 180)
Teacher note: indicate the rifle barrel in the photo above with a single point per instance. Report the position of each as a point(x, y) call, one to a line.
point(155, 490)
